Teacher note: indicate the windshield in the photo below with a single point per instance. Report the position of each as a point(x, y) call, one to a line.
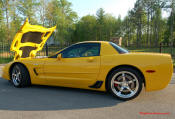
point(118, 48)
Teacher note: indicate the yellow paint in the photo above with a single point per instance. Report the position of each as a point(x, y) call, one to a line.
point(85, 71)
point(17, 44)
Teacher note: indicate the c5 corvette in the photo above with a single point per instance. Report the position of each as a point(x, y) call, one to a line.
point(95, 65)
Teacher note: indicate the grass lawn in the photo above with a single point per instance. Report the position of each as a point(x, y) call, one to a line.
point(5, 60)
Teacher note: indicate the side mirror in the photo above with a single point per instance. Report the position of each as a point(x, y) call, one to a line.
point(59, 57)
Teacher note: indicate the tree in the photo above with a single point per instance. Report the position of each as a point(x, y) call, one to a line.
point(169, 33)
point(143, 25)
point(59, 13)
point(100, 23)
point(85, 29)
point(172, 17)
point(111, 27)
point(1, 23)
point(146, 16)
point(139, 18)
point(42, 11)
point(27, 9)
point(6, 8)
point(16, 20)
point(1, 13)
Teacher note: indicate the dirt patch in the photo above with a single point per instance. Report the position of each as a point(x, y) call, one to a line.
point(6, 54)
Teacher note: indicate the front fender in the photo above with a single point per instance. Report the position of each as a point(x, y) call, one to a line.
point(5, 71)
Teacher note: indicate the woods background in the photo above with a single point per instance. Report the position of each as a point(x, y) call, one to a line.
point(144, 25)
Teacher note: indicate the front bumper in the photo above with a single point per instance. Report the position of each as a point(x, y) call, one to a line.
point(5, 72)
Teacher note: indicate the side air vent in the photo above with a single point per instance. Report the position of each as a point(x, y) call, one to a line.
point(35, 71)
point(97, 84)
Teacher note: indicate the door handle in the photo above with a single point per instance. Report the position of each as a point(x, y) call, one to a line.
point(91, 59)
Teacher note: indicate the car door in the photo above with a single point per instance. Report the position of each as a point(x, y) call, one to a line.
point(79, 65)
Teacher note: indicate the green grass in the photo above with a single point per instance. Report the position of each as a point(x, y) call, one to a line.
point(5, 60)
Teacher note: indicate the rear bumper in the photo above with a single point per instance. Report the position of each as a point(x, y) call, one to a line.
point(161, 78)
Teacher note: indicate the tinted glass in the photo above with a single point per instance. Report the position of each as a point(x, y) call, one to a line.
point(118, 48)
point(82, 50)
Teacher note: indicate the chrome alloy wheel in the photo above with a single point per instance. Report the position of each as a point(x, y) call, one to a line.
point(16, 76)
point(124, 84)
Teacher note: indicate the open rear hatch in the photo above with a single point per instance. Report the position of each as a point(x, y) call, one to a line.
point(29, 40)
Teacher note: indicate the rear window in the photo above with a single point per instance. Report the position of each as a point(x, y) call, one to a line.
point(119, 49)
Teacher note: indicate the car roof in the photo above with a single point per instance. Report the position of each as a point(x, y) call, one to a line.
point(93, 42)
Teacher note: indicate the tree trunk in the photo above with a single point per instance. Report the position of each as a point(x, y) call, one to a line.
point(151, 28)
point(172, 22)
point(140, 31)
point(147, 37)
point(137, 42)
point(7, 23)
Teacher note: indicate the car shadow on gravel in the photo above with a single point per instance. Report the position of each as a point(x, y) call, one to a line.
point(41, 98)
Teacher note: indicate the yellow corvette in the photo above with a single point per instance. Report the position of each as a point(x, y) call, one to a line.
point(95, 65)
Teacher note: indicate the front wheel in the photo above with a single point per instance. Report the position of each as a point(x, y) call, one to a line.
point(125, 83)
point(20, 76)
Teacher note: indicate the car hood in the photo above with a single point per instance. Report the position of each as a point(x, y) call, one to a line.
point(29, 40)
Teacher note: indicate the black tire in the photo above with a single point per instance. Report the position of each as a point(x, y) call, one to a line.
point(20, 76)
point(121, 89)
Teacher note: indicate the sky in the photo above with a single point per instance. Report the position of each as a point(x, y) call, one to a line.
point(114, 7)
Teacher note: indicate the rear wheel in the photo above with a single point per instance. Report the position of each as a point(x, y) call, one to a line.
point(125, 83)
point(20, 76)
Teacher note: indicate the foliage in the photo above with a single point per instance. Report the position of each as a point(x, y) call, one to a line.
point(100, 27)
point(85, 29)
point(59, 13)
point(143, 25)
point(27, 9)
point(5, 60)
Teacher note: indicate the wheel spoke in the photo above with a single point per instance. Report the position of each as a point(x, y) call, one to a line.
point(17, 75)
point(121, 89)
point(13, 75)
point(123, 76)
point(129, 89)
point(14, 80)
point(131, 81)
point(116, 82)
point(119, 93)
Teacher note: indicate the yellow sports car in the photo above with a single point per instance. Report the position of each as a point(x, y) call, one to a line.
point(95, 65)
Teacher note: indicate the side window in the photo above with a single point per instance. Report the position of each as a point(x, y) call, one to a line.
point(91, 50)
point(82, 50)
point(72, 52)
